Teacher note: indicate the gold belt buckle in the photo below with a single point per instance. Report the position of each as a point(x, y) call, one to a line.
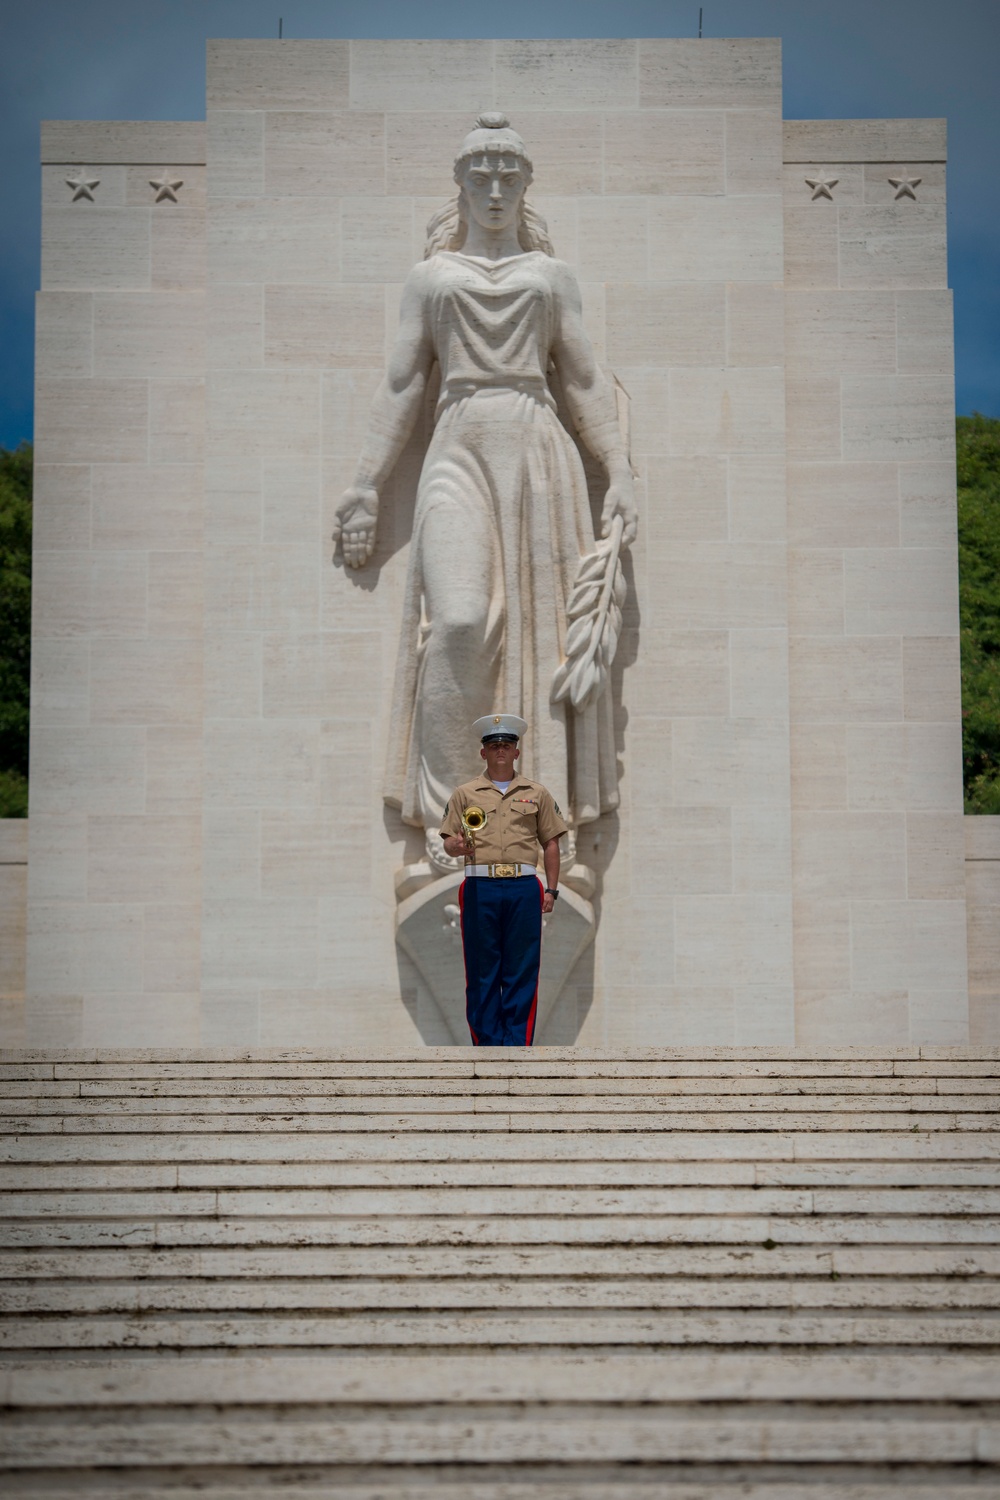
point(503, 872)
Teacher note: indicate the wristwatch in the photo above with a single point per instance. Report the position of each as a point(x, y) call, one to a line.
point(550, 892)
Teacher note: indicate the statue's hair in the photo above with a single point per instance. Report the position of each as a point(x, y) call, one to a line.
point(447, 229)
point(492, 136)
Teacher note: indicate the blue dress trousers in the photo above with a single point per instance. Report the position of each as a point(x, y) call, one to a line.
point(502, 941)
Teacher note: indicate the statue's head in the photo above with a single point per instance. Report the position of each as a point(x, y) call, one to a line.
point(492, 137)
point(491, 150)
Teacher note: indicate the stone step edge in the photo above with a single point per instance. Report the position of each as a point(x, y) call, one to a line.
point(18, 1092)
point(503, 1124)
point(385, 1073)
point(566, 1175)
point(345, 1263)
point(492, 1330)
point(544, 1434)
point(548, 1201)
point(473, 1056)
point(460, 1378)
point(429, 1482)
point(470, 1101)
point(260, 1147)
point(81, 1295)
point(525, 1232)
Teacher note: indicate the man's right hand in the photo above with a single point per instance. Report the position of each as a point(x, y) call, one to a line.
point(354, 524)
point(456, 844)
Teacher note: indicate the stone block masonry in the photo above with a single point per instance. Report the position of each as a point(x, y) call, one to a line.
point(878, 837)
point(117, 706)
point(211, 859)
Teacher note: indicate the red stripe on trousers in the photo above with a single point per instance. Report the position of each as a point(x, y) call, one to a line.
point(465, 966)
point(529, 1030)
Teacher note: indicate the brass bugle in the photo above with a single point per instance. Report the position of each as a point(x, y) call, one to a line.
point(473, 822)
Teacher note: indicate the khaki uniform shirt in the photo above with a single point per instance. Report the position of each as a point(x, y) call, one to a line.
point(517, 821)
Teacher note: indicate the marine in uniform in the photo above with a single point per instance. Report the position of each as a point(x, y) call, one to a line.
point(501, 899)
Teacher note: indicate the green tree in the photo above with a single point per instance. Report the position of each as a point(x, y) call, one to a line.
point(15, 628)
point(979, 595)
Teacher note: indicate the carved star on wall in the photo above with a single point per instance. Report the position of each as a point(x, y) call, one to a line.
point(166, 187)
point(904, 186)
point(822, 187)
point(82, 185)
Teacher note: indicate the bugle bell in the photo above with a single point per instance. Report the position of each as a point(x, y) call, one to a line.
point(473, 822)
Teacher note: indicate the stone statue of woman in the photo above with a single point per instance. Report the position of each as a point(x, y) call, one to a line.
point(503, 535)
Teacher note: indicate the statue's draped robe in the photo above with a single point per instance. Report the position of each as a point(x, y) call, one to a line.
point(499, 464)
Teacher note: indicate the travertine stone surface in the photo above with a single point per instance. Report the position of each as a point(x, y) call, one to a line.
point(873, 585)
point(118, 658)
point(866, 141)
point(784, 863)
point(13, 928)
point(730, 74)
point(331, 1271)
point(368, 236)
point(90, 142)
point(982, 880)
point(297, 75)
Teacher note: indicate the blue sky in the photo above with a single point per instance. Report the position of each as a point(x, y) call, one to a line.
point(145, 59)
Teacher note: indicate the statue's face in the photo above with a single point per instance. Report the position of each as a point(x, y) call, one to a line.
point(494, 187)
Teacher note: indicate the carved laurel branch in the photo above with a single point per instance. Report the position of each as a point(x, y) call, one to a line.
point(595, 613)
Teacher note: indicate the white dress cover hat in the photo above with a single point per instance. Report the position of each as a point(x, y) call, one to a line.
point(499, 726)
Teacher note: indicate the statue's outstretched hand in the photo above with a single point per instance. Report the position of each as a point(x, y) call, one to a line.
point(620, 501)
point(354, 524)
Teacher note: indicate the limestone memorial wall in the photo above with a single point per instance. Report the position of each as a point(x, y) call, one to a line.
point(211, 858)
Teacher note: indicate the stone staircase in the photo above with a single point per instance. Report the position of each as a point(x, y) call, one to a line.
point(691, 1274)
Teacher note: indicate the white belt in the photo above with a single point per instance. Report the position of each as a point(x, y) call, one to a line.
point(501, 870)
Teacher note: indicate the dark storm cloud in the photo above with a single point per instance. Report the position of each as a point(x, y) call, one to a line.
point(144, 59)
